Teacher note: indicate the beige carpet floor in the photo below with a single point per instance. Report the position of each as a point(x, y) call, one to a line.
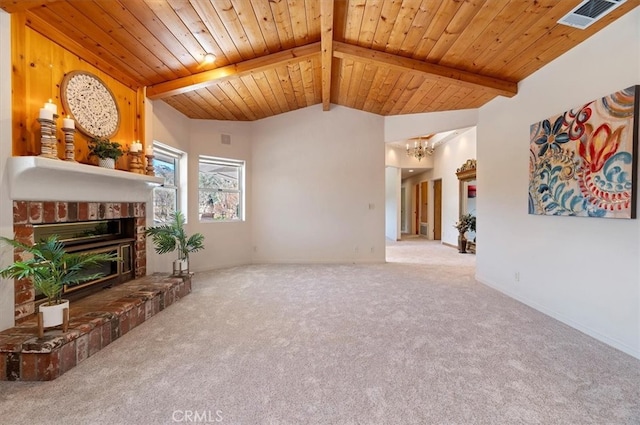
point(413, 341)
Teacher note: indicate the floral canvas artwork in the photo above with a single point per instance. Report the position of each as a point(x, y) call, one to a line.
point(583, 162)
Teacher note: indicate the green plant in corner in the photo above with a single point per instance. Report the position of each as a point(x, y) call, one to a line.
point(50, 268)
point(171, 236)
point(467, 223)
point(104, 148)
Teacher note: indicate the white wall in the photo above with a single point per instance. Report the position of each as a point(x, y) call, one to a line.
point(318, 186)
point(170, 127)
point(393, 176)
point(226, 243)
point(447, 158)
point(6, 206)
point(583, 271)
point(402, 127)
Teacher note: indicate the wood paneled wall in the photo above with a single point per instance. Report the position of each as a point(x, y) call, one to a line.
point(39, 66)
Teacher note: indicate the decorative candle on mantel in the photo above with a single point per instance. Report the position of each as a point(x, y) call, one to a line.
point(68, 123)
point(52, 107)
point(148, 150)
point(135, 147)
point(46, 114)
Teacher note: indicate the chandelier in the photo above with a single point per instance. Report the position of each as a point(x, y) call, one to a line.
point(418, 150)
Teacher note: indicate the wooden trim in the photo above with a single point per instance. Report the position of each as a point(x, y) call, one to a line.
point(18, 86)
point(326, 41)
point(140, 121)
point(219, 75)
point(428, 70)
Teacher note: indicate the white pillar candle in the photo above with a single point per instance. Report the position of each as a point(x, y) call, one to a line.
point(134, 147)
point(149, 150)
point(52, 107)
point(68, 123)
point(46, 114)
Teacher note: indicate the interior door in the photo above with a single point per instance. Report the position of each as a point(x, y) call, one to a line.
point(437, 210)
point(403, 211)
point(424, 191)
point(416, 208)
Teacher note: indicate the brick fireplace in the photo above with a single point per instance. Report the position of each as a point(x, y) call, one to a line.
point(43, 192)
point(26, 214)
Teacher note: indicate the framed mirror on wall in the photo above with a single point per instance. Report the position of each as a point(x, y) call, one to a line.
point(467, 196)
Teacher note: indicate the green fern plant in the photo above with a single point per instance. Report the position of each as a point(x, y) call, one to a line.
point(105, 148)
point(50, 268)
point(171, 236)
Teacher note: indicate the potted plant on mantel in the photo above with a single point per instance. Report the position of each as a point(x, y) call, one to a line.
point(50, 268)
point(171, 236)
point(107, 152)
point(467, 223)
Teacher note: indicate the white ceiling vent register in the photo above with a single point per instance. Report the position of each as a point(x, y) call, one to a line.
point(588, 12)
point(225, 139)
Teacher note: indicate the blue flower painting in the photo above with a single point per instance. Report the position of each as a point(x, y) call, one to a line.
point(583, 161)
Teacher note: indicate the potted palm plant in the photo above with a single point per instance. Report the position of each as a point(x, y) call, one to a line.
point(107, 152)
point(50, 268)
point(171, 236)
point(467, 223)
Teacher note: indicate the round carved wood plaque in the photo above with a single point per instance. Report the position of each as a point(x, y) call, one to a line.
point(88, 99)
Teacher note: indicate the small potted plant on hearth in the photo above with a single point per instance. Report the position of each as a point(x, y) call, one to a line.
point(107, 152)
point(467, 223)
point(50, 268)
point(171, 236)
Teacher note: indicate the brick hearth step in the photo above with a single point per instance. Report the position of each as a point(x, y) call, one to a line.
point(95, 322)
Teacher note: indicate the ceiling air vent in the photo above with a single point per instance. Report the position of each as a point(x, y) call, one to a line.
point(588, 12)
point(225, 139)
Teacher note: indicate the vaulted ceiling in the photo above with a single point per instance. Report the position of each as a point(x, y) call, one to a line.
point(387, 57)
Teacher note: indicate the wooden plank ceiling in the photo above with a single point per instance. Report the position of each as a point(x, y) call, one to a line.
point(387, 57)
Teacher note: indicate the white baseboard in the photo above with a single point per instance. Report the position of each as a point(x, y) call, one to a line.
point(634, 352)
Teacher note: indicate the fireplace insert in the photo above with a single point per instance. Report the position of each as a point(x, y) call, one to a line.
point(110, 236)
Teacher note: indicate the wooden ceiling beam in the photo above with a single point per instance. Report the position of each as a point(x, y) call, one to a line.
point(215, 76)
point(326, 41)
point(431, 71)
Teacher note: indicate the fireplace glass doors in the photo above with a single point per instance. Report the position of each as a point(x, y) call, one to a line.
point(104, 236)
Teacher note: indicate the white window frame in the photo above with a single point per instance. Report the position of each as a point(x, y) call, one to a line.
point(241, 166)
point(180, 186)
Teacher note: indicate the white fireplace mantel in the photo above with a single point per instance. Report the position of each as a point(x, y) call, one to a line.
point(44, 179)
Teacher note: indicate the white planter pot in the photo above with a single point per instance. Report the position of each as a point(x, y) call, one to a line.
point(107, 163)
point(53, 315)
point(180, 267)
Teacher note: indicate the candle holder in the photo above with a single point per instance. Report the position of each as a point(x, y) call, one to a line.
point(69, 148)
point(150, 170)
point(49, 144)
point(135, 164)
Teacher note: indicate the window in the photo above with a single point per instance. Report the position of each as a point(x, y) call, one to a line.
point(220, 189)
point(166, 164)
